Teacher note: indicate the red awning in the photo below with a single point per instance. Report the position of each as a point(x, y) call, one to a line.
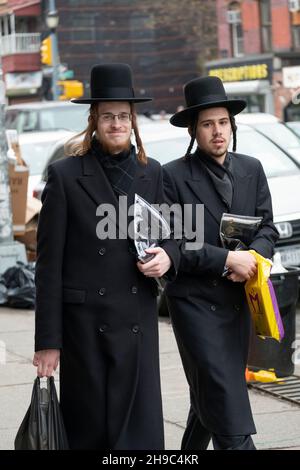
point(29, 8)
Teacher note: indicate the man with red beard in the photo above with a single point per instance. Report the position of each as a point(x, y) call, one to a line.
point(207, 301)
point(96, 309)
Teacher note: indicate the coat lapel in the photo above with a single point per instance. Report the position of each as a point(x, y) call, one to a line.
point(95, 182)
point(241, 184)
point(141, 184)
point(204, 190)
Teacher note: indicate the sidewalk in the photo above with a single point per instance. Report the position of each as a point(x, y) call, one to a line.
point(278, 422)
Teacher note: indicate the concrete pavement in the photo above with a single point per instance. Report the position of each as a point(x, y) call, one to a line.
point(278, 422)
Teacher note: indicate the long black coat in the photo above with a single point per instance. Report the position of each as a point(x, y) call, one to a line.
point(209, 313)
point(94, 305)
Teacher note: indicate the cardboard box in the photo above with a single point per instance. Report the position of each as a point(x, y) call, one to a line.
point(18, 181)
point(31, 222)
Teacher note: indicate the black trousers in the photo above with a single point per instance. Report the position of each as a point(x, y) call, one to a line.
point(197, 437)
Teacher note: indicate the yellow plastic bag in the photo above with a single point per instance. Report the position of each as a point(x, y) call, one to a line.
point(262, 301)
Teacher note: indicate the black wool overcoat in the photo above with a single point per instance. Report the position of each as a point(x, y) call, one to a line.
point(94, 305)
point(209, 313)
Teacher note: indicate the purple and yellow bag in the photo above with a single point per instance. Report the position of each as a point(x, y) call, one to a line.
point(262, 301)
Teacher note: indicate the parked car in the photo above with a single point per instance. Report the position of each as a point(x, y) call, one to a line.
point(46, 116)
point(271, 127)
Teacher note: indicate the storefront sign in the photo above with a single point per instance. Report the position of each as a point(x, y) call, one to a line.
point(23, 83)
point(260, 70)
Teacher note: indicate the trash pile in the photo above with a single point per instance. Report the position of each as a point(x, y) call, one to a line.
point(17, 288)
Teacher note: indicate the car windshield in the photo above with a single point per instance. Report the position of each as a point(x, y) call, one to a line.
point(274, 160)
point(36, 156)
point(72, 118)
point(279, 133)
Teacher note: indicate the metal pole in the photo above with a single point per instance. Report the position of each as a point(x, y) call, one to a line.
point(55, 59)
point(6, 228)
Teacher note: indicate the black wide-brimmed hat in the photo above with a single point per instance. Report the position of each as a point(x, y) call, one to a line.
point(111, 82)
point(202, 93)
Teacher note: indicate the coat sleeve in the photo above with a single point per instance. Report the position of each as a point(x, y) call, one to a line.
point(267, 235)
point(209, 259)
point(170, 246)
point(51, 236)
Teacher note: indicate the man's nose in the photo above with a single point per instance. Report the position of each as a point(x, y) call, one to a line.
point(116, 121)
point(217, 129)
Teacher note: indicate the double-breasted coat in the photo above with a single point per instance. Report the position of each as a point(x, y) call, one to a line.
point(209, 313)
point(94, 304)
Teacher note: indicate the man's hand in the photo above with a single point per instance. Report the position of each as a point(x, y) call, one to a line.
point(46, 361)
point(158, 266)
point(242, 264)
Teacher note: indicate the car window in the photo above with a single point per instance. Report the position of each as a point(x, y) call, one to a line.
point(295, 126)
point(25, 121)
point(166, 150)
point(279, 133)
point(274, 160)
point(72, 117)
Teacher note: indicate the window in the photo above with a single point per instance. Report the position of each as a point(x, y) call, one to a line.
point(265, 25)
point(235, 22)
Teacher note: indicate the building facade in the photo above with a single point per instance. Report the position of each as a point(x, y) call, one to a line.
point(20, 26)
point(166, 44)
point(159, 45)
point(259, 54)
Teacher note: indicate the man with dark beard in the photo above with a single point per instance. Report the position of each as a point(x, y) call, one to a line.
point(207, 301)
point(96, 308)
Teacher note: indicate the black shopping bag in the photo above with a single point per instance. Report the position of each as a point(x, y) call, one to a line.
point(42, 427)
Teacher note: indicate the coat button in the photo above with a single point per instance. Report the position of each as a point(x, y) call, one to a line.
point(135, 328)
point(102, 291)
point(103, 328)
point(213, 308)
point(237, 308)
point(102, 251)
point(134, 290)
point(215, 282)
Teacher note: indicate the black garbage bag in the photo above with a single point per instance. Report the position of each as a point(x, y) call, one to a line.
point(3, 292)
point(42, 427)
point(19, 281)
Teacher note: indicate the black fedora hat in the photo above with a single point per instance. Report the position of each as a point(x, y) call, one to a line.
point(111, 82)
point(202, 93)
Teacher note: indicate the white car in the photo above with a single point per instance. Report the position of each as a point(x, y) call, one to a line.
point(46, 116)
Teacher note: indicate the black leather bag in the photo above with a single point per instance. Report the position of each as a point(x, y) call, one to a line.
point(42, 427)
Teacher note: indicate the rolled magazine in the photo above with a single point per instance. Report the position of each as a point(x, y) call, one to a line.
point(237, 232)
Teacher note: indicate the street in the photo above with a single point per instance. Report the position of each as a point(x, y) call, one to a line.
point(277, 421)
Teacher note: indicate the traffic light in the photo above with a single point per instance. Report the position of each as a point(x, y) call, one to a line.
point(70, 89)
point(46, 51)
